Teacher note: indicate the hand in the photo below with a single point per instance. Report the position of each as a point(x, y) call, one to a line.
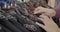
point(47, 11)
point(50, 25)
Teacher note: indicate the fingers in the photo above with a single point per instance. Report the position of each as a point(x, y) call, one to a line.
point(44, 16)
point(40, 25)
point(42, 10)
point(36, 11)
point(42, 20)
point(39, 10)
point(45, 19)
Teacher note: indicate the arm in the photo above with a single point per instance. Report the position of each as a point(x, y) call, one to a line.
point(52, 3)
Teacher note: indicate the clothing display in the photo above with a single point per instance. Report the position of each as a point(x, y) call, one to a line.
point(17, 18)
point(20, 18)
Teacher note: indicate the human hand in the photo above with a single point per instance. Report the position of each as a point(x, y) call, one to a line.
point(47, 11)
point(50, 25)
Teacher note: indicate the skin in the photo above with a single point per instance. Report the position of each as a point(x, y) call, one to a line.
point(47, 11)
point(50, 25)
point(52, 3)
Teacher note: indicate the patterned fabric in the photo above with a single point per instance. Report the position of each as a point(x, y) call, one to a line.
point(30, 27)
point(20, 18)
point(17, 19)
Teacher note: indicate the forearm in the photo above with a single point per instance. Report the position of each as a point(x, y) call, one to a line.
point(52, 3)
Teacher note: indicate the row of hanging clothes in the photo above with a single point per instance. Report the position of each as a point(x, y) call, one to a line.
point(17, 16)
